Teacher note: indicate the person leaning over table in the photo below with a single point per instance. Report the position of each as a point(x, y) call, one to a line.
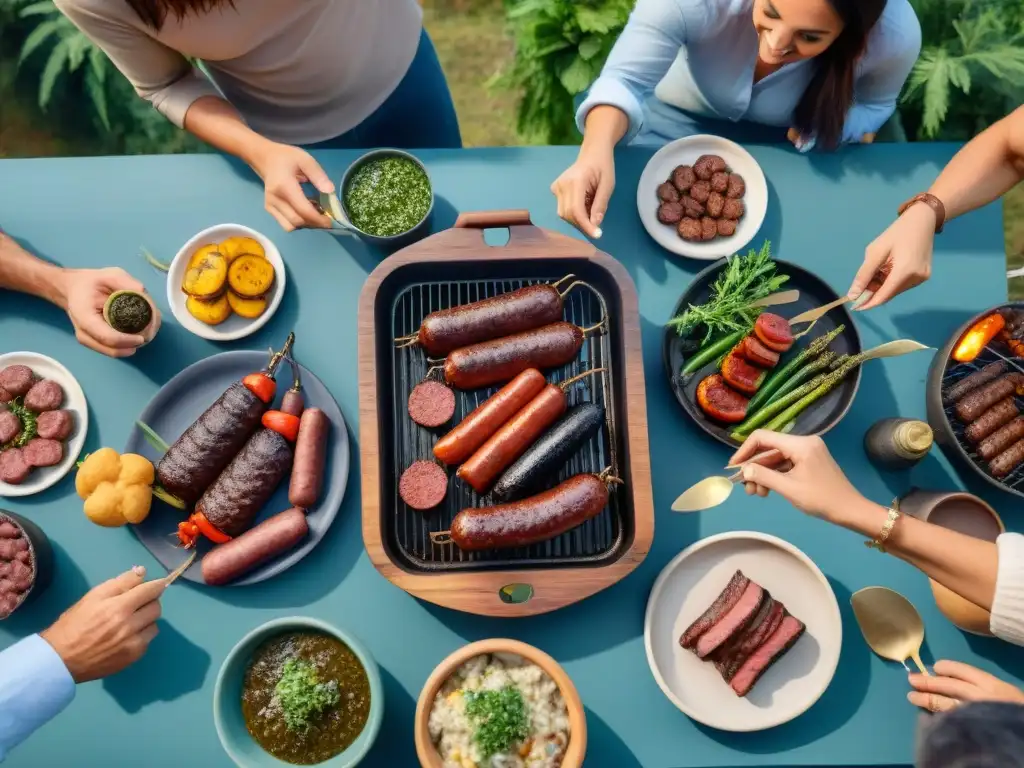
point(323, 73)
point(988, 574)
point(79, 292)
point(107, 630)
point(828, 70)
point(986, 168)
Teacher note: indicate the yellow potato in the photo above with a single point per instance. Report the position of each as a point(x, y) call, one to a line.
point(234, 247)
point(250, 276)
point(244, 307)
point(206, 279)
point(212, 312)
point(200, 253)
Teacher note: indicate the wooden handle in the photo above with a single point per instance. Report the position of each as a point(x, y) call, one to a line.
point(489, 219)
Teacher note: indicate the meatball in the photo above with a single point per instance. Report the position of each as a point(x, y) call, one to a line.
point(707, 166)
point(737, 187)
point(715, 205)
point(690, 229)
point(709, 228)
point(720, 182)
point(16, 380)
point(670, 213)
point(683, 178)
point(733, 209)
point(5, 396)
point(668, 193)
point(54, 425)
point(10, 426)
point(691, 207)
point(726, 227)
point(700, 191)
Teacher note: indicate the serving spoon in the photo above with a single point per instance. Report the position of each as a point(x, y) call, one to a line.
point(891, 625)
point(712, 491)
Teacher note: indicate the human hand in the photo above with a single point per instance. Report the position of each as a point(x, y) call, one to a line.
point(284, 169)
point(815, 484)
point(84, 293)
point(584, 189)
point(110, 628)
point(901, 256)
point(955, 683)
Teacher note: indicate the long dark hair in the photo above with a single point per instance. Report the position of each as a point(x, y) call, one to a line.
point(154, 12)
point(823, 107)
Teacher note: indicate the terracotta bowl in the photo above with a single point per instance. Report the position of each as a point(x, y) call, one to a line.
point(966, 513)
point(425, 749)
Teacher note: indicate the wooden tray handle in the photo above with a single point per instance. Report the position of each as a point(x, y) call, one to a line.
point(493, 219)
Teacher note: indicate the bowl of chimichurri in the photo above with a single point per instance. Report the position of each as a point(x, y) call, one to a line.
point(298, 691)
point(386, 199)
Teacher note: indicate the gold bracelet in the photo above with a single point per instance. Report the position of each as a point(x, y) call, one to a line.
point(890, 522)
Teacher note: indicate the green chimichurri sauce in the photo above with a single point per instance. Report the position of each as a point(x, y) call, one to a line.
point(326, 707)
point(387, 196)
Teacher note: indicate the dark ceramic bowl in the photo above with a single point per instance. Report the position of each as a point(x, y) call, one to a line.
point(41, 552)
point(949, 434)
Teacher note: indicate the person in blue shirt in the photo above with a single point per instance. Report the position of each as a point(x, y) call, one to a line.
point(823, 72)
point(104, 632)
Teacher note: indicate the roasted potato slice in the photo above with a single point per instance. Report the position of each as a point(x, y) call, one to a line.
point(206, 279)
point(250, 276)
point(234, 247)
point(200, 253)
point(210, 312)
point(243, 307)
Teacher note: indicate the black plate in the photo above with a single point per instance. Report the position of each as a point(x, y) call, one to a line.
point(814, 292)
point(949, 432)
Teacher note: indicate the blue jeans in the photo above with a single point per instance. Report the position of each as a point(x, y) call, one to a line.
point(419, 114)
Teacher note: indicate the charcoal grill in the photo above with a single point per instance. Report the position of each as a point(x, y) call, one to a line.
point(457, 267)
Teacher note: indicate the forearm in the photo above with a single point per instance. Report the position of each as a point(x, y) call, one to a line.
point(606, 125)
point(23, 272)
point(219, 124)
point(966, 565)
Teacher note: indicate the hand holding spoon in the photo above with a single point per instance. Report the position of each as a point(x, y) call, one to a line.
point(891, 625)
point(712, 491)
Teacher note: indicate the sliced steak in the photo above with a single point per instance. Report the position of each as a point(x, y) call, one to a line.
point(734, 622)
point(751, 640)
point(14, 467)
point(41, 452)
point(10, 426)
point(16, 379)
point(773, 649)
point(723, 603)
point(45, 395)
point(54, 425)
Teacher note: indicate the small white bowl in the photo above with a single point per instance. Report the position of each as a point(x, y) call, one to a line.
point(235, 327)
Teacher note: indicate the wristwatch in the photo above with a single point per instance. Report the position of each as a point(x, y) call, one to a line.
point(932, 202)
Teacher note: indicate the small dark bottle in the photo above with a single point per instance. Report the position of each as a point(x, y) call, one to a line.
point(897, 443)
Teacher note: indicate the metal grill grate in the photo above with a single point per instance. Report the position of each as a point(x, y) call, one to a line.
point(594, 542)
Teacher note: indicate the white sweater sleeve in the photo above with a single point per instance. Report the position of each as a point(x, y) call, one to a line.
point(1008, 604)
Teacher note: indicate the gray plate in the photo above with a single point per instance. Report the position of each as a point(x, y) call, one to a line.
point(180, 402)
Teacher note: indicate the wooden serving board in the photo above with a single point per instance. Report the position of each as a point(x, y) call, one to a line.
point(480, 591)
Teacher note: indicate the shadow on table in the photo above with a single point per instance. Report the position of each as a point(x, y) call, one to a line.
point(838, 704)
point(172, 667)
point(933, 327)
point(604, 747)
point(395, 745)
point(1006, 655)
point(67, 587)
point(891, 162)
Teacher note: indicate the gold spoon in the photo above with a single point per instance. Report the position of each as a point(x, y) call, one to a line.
point(712, 491)
point(891, 625)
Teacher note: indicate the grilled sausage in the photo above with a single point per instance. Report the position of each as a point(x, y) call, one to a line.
point(197, 457)
point(989, 373)
point(431, 404)
point(1007, 461)
point(991, 420)
point(272, 537)
point(310, 456)
point(292, 402)
point(531, 520)
point(248, 482)
point(975, 403)
point(449, 329)
point(492, 362)
point(511, 441)
point(1001, 439)
point(473, 431)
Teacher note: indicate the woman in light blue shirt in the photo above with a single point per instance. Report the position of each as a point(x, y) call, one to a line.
point(823, 72)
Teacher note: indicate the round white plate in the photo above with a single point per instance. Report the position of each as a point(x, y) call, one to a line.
point(234, 327)
point(692, 581)
point(74, 400)
point(685, 151)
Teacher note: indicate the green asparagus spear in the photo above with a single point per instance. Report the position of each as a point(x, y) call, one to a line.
point(831, 381)
point(819, 364)
point(766, 413)
point(777, 379)
point(709, 352)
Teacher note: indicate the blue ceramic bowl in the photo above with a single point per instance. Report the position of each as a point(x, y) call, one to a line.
point(227, 697)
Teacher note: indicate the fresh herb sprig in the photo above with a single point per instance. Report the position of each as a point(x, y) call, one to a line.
point(744, 280)
point(302, 695)
point(499, 717)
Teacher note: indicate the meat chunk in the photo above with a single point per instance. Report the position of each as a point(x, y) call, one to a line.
point(726, 599)
point(55, 425)
point(733, 209)
point(14, 468)
point(737, 187)
point(41, 452)
point(726, 227)
point(45, 395)
point(10, 426)
point(709, 228)
point(690, 229)
point(670, 213)
point(700, 191)
point(668, 193)
point(683, 178)
point(16, 379)
point(715, 205)
point(691, 207)
point(720, 182)
point(5, 396)
point(708, 165)
point(773, 649)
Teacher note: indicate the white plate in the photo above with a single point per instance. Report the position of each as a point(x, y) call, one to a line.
point(692, 581)
point(74, 400)
point(234, 327)
point(685, 151)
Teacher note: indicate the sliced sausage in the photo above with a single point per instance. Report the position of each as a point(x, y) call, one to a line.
point(17, 379)
point(1002, 465)
point(261, 543)
point(991, 420)
point(45, 395)
point(10, 427)
point(54, 425)
point(14, 467)
point(975, 403)
point(431, 404)
point(423, 485)
point(990, 372)
point(1001, 439)
point(40, 452)
point(310, 456)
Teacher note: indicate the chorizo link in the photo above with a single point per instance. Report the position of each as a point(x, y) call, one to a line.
point(1001, 439)
point(1007, 461)
point(991, 420)
point(310, 457)
point(271, 538)
point(975, 403)
point(990, 372)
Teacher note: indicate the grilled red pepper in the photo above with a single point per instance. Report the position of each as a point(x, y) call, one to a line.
point(189, 531)
point(285, 424)
point(978, 337)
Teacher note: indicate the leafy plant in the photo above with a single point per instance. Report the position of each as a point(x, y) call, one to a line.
point(971, 69)
point(561, 46)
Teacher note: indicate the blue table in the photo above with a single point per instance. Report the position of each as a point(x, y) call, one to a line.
point(822, 212)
